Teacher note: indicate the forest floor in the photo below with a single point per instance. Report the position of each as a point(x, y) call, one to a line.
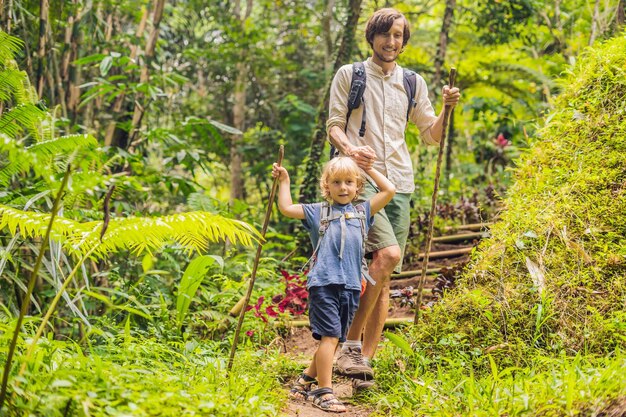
point(300, 345)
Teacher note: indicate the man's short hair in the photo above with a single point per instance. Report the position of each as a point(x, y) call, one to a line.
point(381, 21)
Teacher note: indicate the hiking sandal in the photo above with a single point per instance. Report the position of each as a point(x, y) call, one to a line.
point(325, 400)
point(301, 388)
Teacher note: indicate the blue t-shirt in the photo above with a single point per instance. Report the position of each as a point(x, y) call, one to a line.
point(328, 267)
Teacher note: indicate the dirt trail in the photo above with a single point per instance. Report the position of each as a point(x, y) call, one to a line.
point(300, 343)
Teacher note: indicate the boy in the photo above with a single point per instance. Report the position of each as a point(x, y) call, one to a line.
point(334, 279)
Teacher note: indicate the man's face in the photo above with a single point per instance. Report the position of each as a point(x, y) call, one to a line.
point(387, 46)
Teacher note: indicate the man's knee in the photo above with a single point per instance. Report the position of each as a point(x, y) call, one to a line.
point(387, 258)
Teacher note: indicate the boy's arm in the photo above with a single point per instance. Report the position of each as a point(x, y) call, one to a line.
point(285, 204)
point(386, 193)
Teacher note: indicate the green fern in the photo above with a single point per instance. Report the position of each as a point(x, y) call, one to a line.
point(9, 47)
point(25, 118)
point(194, 231)
point(39, 157)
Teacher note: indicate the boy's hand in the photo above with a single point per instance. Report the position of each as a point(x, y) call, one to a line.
point(279, 172)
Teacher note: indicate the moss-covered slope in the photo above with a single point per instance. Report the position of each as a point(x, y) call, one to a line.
point(553, 275)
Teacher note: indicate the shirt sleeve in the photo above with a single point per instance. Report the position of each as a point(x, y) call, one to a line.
point(338, 102)
point(311, 221)
point(423, 114)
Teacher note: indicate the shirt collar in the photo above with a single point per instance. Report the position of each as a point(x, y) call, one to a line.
point(378, 69)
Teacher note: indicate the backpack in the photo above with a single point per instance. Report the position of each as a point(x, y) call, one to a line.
point(357, 88)
point(326, 216)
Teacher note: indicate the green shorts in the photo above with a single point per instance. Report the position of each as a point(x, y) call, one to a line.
point(391, 224)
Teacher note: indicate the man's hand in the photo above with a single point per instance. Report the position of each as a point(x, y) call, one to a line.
point(364, 157)
point(451, 96)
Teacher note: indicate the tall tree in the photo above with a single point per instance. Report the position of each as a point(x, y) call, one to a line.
point(239, 106)
point(308, 189)
point(148, 56)
point(41, 51)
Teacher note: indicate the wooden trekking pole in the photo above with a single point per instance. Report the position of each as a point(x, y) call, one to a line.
point(268, 214)
point(433, 205)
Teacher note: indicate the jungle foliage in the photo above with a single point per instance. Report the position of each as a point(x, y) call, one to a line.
point(153, 124)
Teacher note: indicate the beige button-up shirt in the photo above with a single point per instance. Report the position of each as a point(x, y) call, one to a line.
point(386, 103)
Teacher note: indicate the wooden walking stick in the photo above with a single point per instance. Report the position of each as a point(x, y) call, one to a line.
point(433, 205)
point(268, 213)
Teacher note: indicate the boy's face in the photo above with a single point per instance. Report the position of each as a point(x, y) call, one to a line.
point(342, 188)
point(387, 46)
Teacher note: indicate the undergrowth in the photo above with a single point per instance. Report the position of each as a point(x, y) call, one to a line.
point(145, 377)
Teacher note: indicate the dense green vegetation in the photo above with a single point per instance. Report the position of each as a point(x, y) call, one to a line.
point(153, 125)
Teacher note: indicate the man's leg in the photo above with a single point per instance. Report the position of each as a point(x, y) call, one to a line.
point(383, 263)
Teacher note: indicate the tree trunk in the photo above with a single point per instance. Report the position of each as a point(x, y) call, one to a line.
point(620, 15)
point(41, 52)
point(140, 104)
point(309, 188)
point(327, 32)
point(236, 171)
point(5, 15)
point(237, 191)
point(442, 48)
point(594, 22)
point(119, 101)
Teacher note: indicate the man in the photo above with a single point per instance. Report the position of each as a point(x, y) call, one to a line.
point(382, 146)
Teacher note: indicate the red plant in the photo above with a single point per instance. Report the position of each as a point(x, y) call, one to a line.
point(294, 300)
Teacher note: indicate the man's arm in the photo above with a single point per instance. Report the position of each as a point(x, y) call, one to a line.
point(364, 156)
point(451, 97)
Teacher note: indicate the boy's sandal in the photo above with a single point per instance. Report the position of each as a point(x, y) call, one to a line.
point(324, 399)
point(301, 388)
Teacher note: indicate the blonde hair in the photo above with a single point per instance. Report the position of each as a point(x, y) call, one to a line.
point(340, 166)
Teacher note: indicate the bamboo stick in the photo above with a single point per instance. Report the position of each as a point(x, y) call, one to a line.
point(445, 253)
point(410, 274)
point(474, 226)
point(460, 237)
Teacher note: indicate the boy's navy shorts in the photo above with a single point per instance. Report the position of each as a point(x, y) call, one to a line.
point(331, 310)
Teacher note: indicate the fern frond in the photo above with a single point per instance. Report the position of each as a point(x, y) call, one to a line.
point(9, 47)
point(194, 231)
point(62, 145)
point(38, 157)
point(23, 117)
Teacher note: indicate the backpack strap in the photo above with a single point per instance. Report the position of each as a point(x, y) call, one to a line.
point(364, 268)
point(355, 99)
point(410, 86)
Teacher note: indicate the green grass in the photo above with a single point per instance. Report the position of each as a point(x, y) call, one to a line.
point(476, 384)
point(144, 377)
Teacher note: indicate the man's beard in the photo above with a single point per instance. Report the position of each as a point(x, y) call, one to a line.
point(383, 59)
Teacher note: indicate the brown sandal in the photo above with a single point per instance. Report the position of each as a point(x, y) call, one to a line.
point(301, 388)
point(324, 399)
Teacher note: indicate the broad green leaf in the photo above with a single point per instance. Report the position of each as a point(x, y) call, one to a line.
point(192, 278)
point(400, 342)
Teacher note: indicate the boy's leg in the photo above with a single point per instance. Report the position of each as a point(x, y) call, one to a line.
point(386, 240)
point(323, 360)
